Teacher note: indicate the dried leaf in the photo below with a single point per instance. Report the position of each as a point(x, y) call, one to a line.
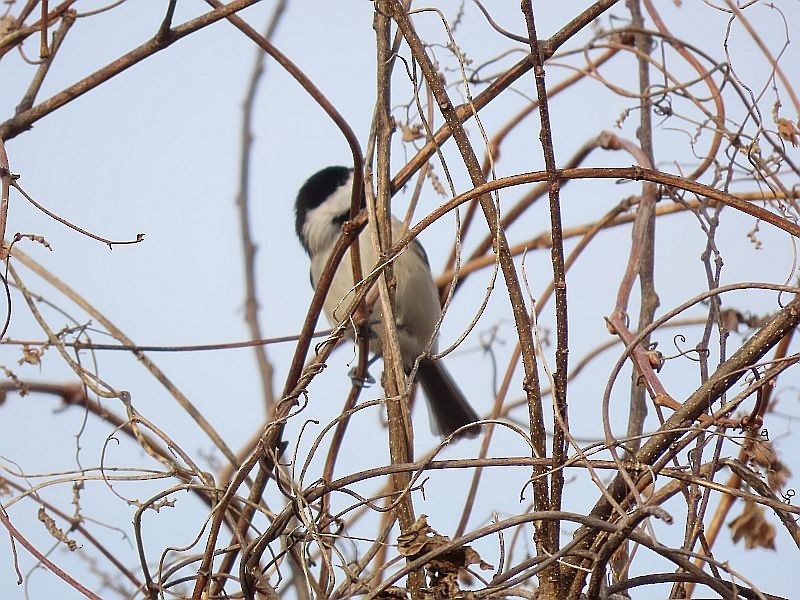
point(53, 530)
point(443, 571)
point(656, 359)
point(30, 356)
point(731, 319)
point(753, 528)
point(413, 541)
point(412, 132)
point(6, 25)
point(763, 454)
point(473, 558)
point(444, 584)
point(787, 130)
point(777, 476)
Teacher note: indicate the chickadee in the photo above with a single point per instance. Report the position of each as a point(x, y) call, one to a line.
point(323, 205)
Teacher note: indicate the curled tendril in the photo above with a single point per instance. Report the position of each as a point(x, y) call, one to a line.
point(662, 103)
point(680, 339)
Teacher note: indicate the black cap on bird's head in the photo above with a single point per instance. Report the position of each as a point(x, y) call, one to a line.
point(315, 191)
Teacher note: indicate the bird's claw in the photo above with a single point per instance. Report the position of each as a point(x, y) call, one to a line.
point(362, 382)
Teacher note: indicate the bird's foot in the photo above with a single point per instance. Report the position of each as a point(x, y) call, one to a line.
point(362, 382)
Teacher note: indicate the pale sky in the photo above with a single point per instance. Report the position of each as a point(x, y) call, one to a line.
point(156, 151)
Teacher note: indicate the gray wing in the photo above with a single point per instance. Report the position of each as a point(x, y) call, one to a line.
point(417, 249)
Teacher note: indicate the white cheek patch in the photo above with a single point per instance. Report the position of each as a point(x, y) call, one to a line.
point(320, 229)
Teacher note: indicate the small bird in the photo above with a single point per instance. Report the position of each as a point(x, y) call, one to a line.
point(322, 207)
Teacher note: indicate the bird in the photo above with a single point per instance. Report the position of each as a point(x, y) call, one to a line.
point(321, 209)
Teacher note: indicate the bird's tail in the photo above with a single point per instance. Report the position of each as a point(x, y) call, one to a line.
point(449, 409)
